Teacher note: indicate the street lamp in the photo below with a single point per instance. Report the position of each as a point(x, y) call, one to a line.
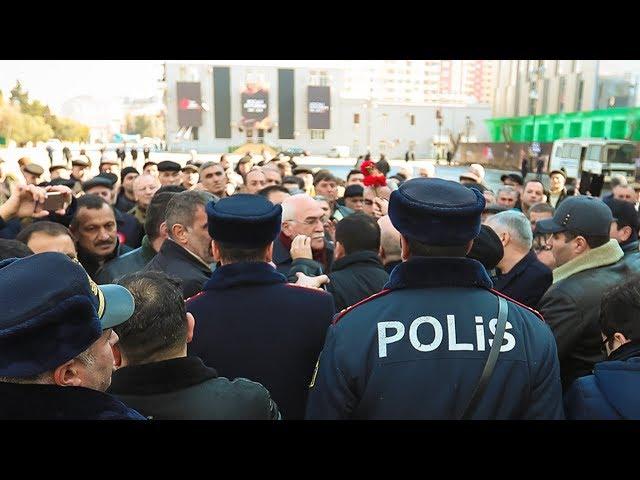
point(439, 119)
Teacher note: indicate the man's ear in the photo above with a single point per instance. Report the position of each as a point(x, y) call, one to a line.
point(405, 250)
point(338, 251)
point(191, 324)
point(286, 228)
point(117, 355)
point(178, 233)
point(66, 375)
point(269, 253)
point(469, 246)
point(381, 253)
point(215, 250)
point(163, 232)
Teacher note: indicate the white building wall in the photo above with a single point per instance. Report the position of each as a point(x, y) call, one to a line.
point(384, 128)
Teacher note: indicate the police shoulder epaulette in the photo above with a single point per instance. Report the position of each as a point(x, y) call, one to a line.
point(368, 299)
point(194, 296)
point(535, 312)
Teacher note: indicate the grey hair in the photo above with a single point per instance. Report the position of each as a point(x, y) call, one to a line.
point(208, 164)
point(508, 189)
point(618, 180)
point(514, 222)
point(289, 206)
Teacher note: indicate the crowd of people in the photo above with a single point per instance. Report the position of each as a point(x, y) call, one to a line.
point(268, 290)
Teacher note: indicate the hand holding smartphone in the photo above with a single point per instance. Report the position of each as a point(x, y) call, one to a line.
point(54, 201)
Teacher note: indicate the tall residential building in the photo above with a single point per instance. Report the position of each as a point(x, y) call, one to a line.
point(461, 82)
point(541, 87)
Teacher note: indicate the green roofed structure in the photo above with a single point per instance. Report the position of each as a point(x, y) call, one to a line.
point(613, 123)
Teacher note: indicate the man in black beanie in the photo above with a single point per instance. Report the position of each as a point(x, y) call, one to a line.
point(126, 199)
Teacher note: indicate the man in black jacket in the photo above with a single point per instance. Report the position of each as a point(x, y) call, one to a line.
point(94, 228)
point(186, 254)
point(137, 259)
point(249, 321)
point(357, 270)
point(588, 262)
point(156, 377)
point(520, 276)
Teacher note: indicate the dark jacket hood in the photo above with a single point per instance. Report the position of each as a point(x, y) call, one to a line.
point(618, 377)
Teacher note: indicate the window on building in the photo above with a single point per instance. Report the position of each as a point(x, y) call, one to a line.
point(580, 92)
point(545, 94)
point(317, 134)
point(412, 119)
point(561, 93)
point(194, 133)
point(356, 118)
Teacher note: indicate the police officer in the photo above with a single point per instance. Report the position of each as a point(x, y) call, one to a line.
point(417, 350)
point(249, 322)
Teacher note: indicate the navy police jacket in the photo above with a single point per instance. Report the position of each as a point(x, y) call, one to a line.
point(251, 323)
point(417, 349)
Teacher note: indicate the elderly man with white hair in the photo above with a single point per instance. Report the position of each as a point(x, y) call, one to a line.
point(301, 245)
point(521, 275)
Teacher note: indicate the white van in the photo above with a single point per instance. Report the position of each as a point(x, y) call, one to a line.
point(594, 155)
point(339, 151)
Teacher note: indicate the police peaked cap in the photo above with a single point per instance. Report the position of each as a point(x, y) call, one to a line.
point(243, 220)
point(436, 212)
point(52, 311)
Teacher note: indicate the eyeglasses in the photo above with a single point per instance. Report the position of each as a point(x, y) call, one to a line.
point(310, 221)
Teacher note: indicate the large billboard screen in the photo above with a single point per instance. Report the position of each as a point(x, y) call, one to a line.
point(189, 104)
point(319, 108)
point(255, 103)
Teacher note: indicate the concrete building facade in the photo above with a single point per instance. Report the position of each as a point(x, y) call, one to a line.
point(363, 124)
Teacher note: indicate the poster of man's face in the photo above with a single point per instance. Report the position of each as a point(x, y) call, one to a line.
point(255, 103)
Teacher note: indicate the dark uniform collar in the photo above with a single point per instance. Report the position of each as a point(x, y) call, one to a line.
point(428, 272)
point(519, 267)
point(174, 250)
point(52, 402)
point(160, 377)
point(364, 257)
point(242, 274)
point(630, 247)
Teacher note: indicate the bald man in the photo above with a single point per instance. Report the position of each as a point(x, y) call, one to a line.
point(390, 249)
point(301, 245)
point(428, 171)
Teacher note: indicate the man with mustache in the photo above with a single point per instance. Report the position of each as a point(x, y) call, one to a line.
point(94, 229)
point(301, 245)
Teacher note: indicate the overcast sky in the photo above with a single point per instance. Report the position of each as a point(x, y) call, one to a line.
point(55, 81)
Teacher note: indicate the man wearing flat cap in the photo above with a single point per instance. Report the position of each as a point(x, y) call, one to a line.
point(169, 173)
point(56, 359)
point(32, 173)
point(588, 262)
point(249, 322)
point(419, 348)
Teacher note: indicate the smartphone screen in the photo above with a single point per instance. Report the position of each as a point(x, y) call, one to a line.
point(54, 201)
